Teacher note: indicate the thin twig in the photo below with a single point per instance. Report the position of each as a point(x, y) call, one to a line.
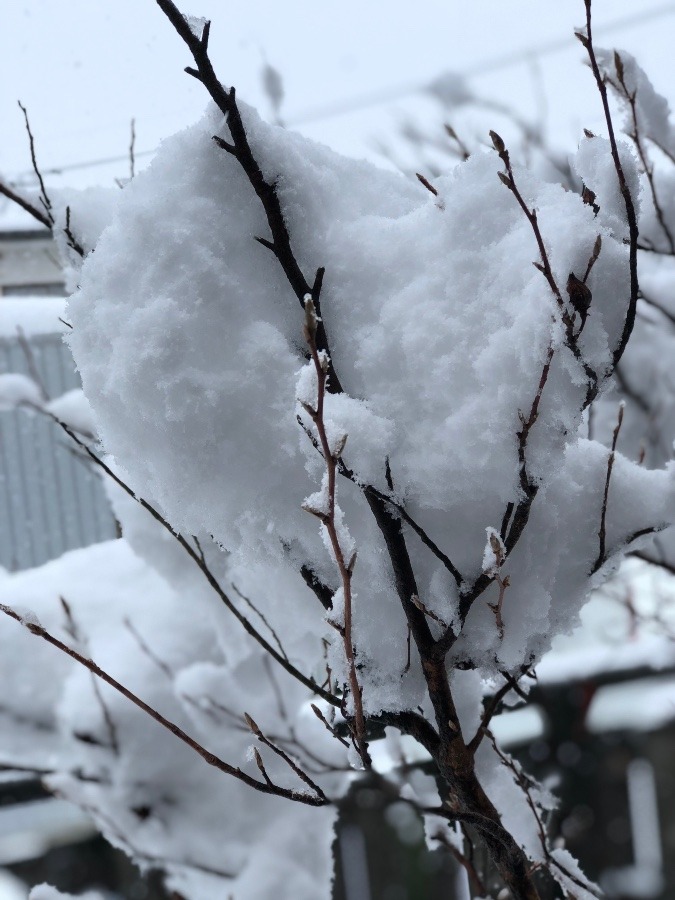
point(327, 517)
point(31, 362)
point(478, 886)
point(262, 618)
point(603, 515)
point(240, 148)
point(25, 205)
point(213, 760)
point(128, 624)
point(44, 197)
point(286, 758)
point(132, 150)
point(631, 215)
point(74, 632)
point(634, 135)
point(203, 567)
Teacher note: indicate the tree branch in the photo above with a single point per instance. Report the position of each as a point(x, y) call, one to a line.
point(210, 758)
point(203, 567)
point(631, 215)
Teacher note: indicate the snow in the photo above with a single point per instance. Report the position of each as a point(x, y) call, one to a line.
point(457, 374)
point(45, 892)
point(180, 338)
point(74, 409)
point(17, 390)
point(140, 630)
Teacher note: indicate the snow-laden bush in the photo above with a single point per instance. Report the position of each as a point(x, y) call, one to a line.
point(354, 412)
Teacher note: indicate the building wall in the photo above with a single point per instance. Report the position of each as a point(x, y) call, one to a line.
point(50, 498)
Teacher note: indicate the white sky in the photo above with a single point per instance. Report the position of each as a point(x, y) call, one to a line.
point(85, 67)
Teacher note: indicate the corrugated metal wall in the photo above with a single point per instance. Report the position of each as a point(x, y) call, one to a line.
point(50, 498)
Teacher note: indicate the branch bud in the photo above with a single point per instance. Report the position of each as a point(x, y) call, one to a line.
point(497, 142)
point(259, 762)
point(618, 65)
point(352, 562)
point(340, 446)
point(310, 319)
point(505, 180)
point(252, 725)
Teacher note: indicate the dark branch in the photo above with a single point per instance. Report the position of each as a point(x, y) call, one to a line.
point(213, 760)
point(631, 215)
point(206, 571)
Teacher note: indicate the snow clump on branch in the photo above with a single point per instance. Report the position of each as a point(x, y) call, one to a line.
point(189, 343)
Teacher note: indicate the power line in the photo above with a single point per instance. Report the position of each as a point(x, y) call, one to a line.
point(493, 64)
point(387, 95)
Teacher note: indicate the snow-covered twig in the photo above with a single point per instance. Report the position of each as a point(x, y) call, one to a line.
point(327, 516)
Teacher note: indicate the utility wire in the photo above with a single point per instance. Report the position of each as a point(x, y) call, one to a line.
point(493, 64)
point(387, 95)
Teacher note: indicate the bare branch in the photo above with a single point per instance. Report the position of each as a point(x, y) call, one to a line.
point(290, 762)
point(225, 100)
point(345, 566)
point(132, 150)
point(25, 205)
point(44, 197)
point(631, 215)
point(630, 96)
point(603, 515)
point(203, 567)
point(210, 758)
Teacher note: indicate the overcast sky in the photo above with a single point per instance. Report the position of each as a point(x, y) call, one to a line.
point(85, 67)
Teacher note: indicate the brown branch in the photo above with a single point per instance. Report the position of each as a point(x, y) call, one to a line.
point(146, 649)
point(427, 184)
point(631, 215)
point(653, 561)
point(322, 592)
point(286, 758)
point(73, 243)
point(210, 758)
point(508, 179)
point(262, 617)
point(240, 148)
point(496, 608)
point(634, 135)
point(462, 150)
point(132, 150)
point(327, 517)
point(597, 247)
point(25, 205)
point(204, 568)
point(478, 886)
point(74, 632)
point(653, 303)
point(44, 197)
point(390, 502)
point(320, 716)
point(601, 558)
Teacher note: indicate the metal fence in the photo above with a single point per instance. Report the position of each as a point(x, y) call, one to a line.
point(51, 499)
